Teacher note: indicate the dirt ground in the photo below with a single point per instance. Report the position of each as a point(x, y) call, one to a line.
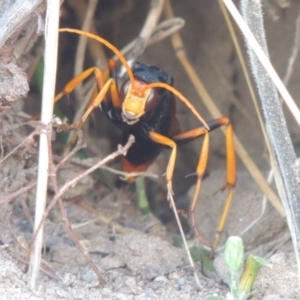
point(135, 253)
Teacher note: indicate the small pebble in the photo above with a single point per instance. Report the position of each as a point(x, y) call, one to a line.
point(130, 281)
point(182, 281)
point(69, 280)
point(105, 292)
point(61, 293)
point(88, 275)
point(162, 279)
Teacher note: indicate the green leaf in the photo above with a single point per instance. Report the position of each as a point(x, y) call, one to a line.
point(252, 267)
point(214, 298)
point(234, 255)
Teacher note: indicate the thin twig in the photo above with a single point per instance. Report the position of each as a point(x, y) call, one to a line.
point(20, 191)
point(162, 31)
point(29, 138)
point(186, 247)
point(82, 42)
point(53, 176)
point(141, 42)
point(229, 88)
point(78, 146)
point(89, 162)
point(151, 21)
point(121, 151)
point(103, 219)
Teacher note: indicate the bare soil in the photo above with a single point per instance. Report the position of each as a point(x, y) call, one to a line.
point(136, 253)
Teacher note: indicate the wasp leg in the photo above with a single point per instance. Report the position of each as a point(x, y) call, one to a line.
point(230, 178)
point(161, 139)
point(201, 167)
point(78, 79)
point(190, 135)
point(103, 86)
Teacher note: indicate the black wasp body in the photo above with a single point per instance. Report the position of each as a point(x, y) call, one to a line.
point(160, 118)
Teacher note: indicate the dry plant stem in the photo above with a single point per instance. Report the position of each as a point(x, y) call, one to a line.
point(107, 221)
point(55, 199)
point(29, 138)
point(295, 51)
point(67, 185)
point(162, 30)
point(17, 193)
point(153, 16)
point(51, 45)
point(22, 260)
point(187, 250)
point(215, 112)
point(245, 70)
point(290, 67)
point(263, 59)
point(95, 49)
point(141, 41)
point(125, 175)
point(285, 168)
point(79, 63)
point(82, 42)
point(79, 113)
point(253, 97)
point(229, 88)
point(52, 173)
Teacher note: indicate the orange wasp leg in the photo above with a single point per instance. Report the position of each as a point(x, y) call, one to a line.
point(231, 176)
point(201, 167)
point(97, 98)
point(161, 139)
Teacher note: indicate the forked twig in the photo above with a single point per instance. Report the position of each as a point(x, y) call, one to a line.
point(60, 191)
point(52, 174)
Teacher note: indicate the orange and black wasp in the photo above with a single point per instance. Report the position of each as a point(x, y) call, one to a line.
point(144, 106)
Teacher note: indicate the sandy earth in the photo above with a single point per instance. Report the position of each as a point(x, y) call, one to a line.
point(135, 253)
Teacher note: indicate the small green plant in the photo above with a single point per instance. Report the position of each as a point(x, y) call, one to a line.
point(241, 274)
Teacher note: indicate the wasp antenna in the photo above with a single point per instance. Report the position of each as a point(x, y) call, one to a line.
point(179, 95)
point(107, 44)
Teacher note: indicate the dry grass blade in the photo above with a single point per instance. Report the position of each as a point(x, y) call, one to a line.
point(264, 60)
point(150, 24)
point(285, 166)
point(51, 45)
point(162, 30)
point(82, 43)
point(186, 247)
point(139, 45)
point(211, 106)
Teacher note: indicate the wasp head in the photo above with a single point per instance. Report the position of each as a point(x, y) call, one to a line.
point(136, 102)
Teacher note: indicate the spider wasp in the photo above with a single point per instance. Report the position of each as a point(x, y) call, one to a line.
point(144, 106)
